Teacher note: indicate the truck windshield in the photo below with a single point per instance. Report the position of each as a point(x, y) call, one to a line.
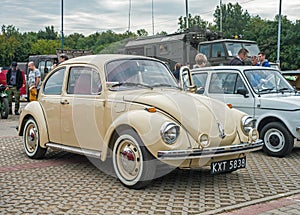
point(139, 73)
point(233, 48)
point(265, 81)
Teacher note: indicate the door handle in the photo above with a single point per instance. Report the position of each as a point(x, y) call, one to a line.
point(65, 102)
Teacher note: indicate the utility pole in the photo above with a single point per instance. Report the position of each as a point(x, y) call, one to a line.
point(279, 33)
point(62, 25)
point(187, 14)
point(152, 18)
point(221, 16)
point(129, 14)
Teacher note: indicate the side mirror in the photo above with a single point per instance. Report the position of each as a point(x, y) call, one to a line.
point(192, 89)
point(243, 92)
point(189, 83)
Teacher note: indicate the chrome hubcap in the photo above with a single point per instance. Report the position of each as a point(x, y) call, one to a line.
point(274, 140)
point(32, 138)
point(128, 160)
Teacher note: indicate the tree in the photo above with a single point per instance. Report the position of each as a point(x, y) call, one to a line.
point(142, 33)
point(48, 34)
point(194, 22)
point(234, 19)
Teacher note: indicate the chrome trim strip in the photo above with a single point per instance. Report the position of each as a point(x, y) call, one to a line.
point(210, 152)
point(76, 150)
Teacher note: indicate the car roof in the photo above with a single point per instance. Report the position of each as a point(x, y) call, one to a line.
point(291, 72)
point(224, 68)
point(228, 40)
point(101, 59)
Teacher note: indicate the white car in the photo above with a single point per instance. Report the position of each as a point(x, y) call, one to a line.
point(260, 92)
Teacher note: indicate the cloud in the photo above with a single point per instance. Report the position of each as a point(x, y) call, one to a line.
point(90, 16)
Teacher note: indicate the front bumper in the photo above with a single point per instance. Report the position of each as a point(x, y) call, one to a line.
point(210, 152)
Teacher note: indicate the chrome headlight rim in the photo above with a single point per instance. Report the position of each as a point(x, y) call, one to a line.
point(253, 135)
point(248, 123)
point(169, 132)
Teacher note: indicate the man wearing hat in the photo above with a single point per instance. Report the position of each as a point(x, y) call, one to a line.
point(14, 80)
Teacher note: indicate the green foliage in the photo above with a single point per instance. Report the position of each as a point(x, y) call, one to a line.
point(235, 21)
point(194, 22)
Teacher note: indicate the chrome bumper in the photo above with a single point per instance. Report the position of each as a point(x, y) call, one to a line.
point(210, 152)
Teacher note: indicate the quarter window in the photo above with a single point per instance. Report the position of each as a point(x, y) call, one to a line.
point(54, 83)
point(84, 81)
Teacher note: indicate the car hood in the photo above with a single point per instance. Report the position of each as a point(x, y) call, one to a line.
point(196, 113)
point(287, 101)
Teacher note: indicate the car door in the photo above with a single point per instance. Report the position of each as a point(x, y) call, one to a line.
point(50, 102)
point(82, 110)
point(229, 87)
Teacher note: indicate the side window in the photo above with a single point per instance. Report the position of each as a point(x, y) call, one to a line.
point(84, 81)
point(223, 83)
point(53, 85)
point(205, 49)
point(217, 50)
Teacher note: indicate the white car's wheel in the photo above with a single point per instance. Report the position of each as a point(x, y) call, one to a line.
point(31, 140)
point(133, 164)
point(278, 141)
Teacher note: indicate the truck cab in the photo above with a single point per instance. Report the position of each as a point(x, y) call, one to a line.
point(221, 52)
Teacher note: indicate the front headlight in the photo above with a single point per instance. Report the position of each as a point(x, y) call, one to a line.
point(169, 132)
point(247, 124)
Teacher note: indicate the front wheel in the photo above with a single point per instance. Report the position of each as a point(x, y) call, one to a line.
point(278, 141)
point(4, 108)
point(133, 164)
point(31, 140)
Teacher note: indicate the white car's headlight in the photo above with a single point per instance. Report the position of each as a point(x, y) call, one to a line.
point(248, 123)
point(169, 132)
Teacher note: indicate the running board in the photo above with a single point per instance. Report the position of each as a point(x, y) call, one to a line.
point(76, 150)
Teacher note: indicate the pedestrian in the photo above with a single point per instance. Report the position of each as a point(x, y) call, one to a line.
point(14, 81)
point(239, 60)
point(176, 70)
point(254, 61)
point(62, 58)
point(262, 60)
point(200, 60)
point(34, 80)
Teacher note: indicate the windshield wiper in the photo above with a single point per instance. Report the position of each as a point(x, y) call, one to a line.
point(131, 84)
point(286, 89)
point(166, 85)
point(265, 90)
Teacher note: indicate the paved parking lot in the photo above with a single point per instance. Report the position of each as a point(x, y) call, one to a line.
point(65, 183)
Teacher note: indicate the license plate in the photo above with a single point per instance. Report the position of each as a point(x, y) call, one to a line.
point(228, 165)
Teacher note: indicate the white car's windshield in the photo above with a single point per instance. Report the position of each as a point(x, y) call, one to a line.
point(267, 81)
point(139, 73)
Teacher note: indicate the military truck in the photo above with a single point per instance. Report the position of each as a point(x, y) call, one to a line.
point(183, 47)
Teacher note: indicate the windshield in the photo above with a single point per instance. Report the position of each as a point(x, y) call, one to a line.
point(139, 73)
point(267, 81)
point(233, 48)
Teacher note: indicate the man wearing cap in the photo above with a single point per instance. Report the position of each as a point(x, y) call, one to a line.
point(14, 80)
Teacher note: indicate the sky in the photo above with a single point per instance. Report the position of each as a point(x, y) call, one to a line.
point(90, 16)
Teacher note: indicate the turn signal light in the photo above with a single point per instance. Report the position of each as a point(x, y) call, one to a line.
point(151, 109)
point(230, 106)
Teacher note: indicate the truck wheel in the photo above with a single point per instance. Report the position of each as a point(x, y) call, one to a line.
point(5, 108)
point(133, 164)
point(31, 140)
point(278, 141)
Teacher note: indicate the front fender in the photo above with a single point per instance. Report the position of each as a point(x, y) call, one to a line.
point(147, 125)
point(35, 111)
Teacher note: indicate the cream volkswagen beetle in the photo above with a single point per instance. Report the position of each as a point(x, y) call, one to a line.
point(130, 109)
